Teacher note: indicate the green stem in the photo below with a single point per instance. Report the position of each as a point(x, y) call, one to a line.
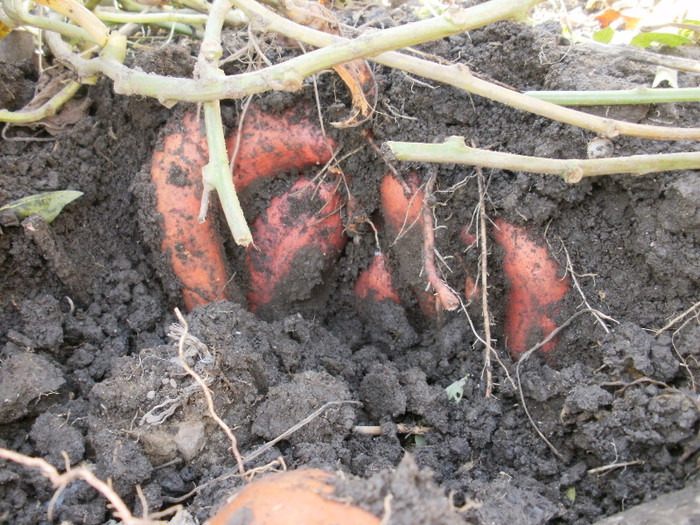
point(455, 151)
point(640, 95)
point(81, 16)
point(47, 109)
point(16, 11)
point(235, 17)
point(121, 17)
point(289, 75)
point(216, 175)
point(460, 77)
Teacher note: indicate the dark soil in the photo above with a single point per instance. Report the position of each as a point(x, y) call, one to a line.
point(87, 366)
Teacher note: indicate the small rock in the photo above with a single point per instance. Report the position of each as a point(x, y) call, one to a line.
point(190, 439)
point(182, 517)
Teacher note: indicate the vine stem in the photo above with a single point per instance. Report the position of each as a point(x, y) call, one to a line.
point(215, 175)
point(459, 76)
point(639, 95)
point(455, 151)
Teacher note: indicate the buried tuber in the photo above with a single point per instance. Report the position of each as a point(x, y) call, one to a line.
point(194, 249)
point(297, 238)
point(270, 145)
point(535, 289)
point(298, 497)
point(300, 235)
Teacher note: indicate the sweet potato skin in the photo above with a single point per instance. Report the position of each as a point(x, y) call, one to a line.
point(296, 231)
point(194, 249)
point(374, 283)
point(274, 144)
point(298, 497)
point(400, 211)
point(536, 288)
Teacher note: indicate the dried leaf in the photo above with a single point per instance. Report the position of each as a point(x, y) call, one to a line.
point(359, 78)
point(4, 30)
point(665, 74)
point(70, 113)
point(607, 17)
point(48, 204)
point(356, 74)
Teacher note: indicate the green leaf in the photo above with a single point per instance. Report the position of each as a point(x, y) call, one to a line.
point(604, 36)
point(688, 33)
point(420, 441)
point(456, 390)
point(665, 39)
point(48, 204)
point(571, 494)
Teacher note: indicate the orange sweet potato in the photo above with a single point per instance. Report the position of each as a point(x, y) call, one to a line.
point(401, 205)
point(300, 497)
point(374, 283)
point(296, 239)
point(407, 217)
point(272, 144)
point(535, 288)
point(194, 249)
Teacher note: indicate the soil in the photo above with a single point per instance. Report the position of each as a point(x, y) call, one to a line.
point(87, 366)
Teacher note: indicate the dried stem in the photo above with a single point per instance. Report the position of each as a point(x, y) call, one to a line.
point(308, 419)
point(525, 357)
point(484, 283)
point(677, 319)
point(570, 269)
point(60, 481)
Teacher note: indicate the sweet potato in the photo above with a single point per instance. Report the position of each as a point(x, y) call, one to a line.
point(300, 497)
point(270, 145)
point(535, 288)
point(410, 219)
point(374, 283)
point(273, 144)
point(194, 249)
point(296, 239)
point(401, 204)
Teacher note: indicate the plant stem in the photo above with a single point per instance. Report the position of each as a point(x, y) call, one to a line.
point(235, 17)
point(455, 151)
point(121, 17)
point(82, 16)
point(17, 12)
point(215, 174)
point(289, 75)
point(640, 95)
point(47, 109)
point(460, 77)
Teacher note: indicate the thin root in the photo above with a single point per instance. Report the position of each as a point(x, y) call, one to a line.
point(207, 393)
point(61, 481)
point(448, 299)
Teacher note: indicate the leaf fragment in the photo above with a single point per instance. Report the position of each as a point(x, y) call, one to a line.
point(664, 39)
point(48, 204)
